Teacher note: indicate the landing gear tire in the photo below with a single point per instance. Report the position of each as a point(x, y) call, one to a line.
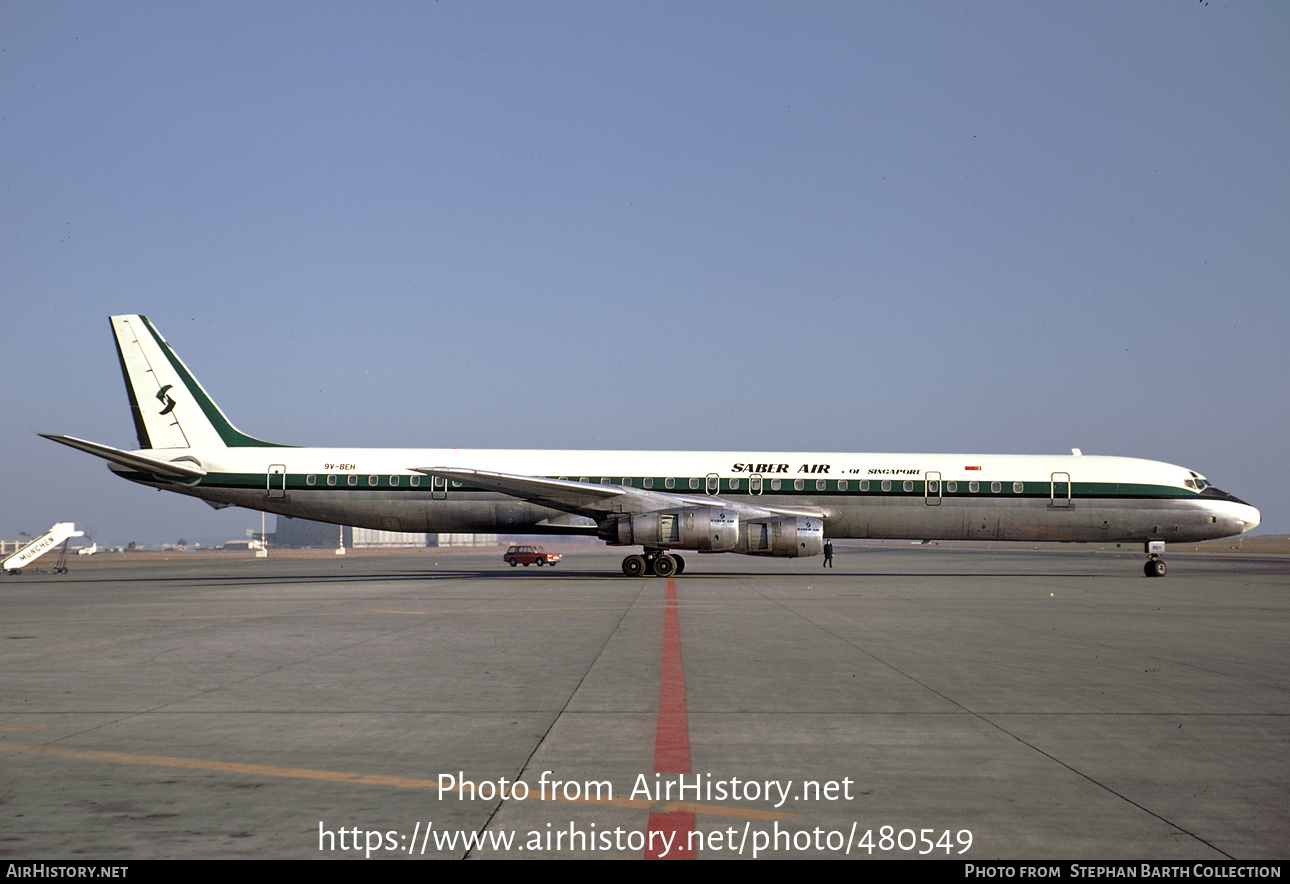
point(1155, 568)
point(664, 565)
point(680, 565)
point(634, 566)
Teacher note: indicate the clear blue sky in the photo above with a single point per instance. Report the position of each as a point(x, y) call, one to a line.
point(989, 227)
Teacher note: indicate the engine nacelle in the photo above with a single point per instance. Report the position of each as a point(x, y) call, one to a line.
point(702, 528)
point(787, 536)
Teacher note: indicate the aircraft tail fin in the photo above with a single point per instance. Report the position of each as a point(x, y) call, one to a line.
point(170, 409)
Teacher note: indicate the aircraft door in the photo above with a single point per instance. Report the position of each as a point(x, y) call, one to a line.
point(275, 482)
point(1061, 489)
point(438, 488)
point(932, 488)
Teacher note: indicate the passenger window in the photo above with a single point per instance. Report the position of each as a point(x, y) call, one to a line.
point(886, 484)
point(669, 482)
point(774, 484)
point(694, 484)
point(734, 484)
point(1018, 487)
point(414, 481)
point(373, 480)
point(649, 482)
point(951, 487)
point(309, 479)
point(842, 484)
point(864, 484)
point(908, 485)
point(995, 487)
point(331, 480)
point(974, 487)
point(797, 485)
point(353, 480)
point(821, 484)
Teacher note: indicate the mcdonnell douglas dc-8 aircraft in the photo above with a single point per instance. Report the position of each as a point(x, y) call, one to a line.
point(754, 503)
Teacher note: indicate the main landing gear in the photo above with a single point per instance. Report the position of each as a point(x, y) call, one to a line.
point(1155, 566)
point(654, 563)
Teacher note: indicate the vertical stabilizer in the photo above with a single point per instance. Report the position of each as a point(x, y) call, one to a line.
point(170, 409)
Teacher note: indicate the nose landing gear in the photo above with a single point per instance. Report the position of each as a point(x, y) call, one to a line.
point(1155, 566)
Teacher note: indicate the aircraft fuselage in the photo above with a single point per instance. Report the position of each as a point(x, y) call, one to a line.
point(756, 503)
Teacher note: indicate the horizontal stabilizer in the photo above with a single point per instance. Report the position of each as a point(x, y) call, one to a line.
point(163, 469)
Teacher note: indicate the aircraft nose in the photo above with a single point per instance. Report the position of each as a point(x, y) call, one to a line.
point(1249, 516)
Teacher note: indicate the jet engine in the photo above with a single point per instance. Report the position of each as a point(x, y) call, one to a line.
point(702, 528)
point(787, 536)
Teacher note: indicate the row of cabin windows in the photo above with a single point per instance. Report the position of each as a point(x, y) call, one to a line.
point(372, 481)
point(712, 484)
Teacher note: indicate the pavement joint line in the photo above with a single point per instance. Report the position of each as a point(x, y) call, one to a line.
point(397, 782)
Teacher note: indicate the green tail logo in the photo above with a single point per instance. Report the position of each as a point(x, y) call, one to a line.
point(162, 396)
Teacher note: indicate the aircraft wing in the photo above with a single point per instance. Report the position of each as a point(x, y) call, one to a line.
point(591, 499)
point(162, 469)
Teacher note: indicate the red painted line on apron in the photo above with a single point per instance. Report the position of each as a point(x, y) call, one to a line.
point(671, 740)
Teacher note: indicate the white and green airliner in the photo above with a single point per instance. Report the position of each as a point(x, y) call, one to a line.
point(755, 503)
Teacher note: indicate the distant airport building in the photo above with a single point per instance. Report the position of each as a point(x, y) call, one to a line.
point(371, 538)
point(240, 544)
point(305, 534)
point(467, 539)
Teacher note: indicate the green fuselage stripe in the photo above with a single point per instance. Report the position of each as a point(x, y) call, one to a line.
point(918, 489)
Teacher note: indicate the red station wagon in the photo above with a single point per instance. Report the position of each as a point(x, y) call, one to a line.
point(523, 555)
